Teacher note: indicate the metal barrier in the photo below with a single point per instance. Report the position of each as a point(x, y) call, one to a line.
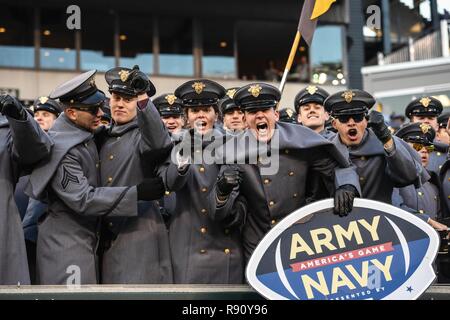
point(158, 292)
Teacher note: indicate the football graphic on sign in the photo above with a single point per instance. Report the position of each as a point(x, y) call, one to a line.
point(376, 252)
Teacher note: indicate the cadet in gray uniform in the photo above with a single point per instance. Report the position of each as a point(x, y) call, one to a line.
point(135, 249)
point(172, 115)
point(273, 195)
point(311, 113)
point(203, 250)
point(23, 144)
point(232, 116)
point(171, 111)
point(46, 111)
point(382, 161)
point(70, 180)
point(426, 110)
point(423, 199)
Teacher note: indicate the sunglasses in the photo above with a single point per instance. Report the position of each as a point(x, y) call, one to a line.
point(419, 146)
point(346, 118)
point(92, 110)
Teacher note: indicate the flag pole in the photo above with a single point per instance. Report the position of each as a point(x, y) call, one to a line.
point(290, 60)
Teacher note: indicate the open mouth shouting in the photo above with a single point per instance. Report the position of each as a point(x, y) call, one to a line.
point(352, 135)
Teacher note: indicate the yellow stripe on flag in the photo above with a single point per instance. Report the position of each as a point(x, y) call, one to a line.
point(320, 7)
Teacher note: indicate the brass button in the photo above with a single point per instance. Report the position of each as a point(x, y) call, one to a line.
point(295, 195)
point(167, 193)
point(440, 167)
point(420, 193)
point(291, 173)
point(111, 157)
point(438, 154)
point(198, 150)
point(448, 197)
point(435, 198)
point(204, 189)
point(227, 251)
point(203, 210)
point(421, 211)
point(361, 178)
point(110, 224)
point(202, 169)
point(267, 181)
point(97, 165)
point(109, 179)
point(286, 151)
point(85, 144)
point(72, 101)
point(363, 158)
point(203, 251)
point(203, 230)
point(227, 231)
point(273, 222)
point(118, 138)
point(271, 203)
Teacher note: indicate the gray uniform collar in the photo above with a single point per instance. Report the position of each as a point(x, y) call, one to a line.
point(118, 130)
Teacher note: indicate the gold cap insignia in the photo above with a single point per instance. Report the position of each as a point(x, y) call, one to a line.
point(170, 98)
point(231, 93)
point(92, 82)
point(425, 101)
point(289, 112)
point(348, 96)
point(425, 128)
point(43, 100)
point(255, 90)
point(32, 108)
point(198, 87)
point(312, 89)
point(124, 75)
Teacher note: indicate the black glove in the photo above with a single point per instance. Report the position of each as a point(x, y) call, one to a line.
point(343, 199)
point(139, 81)
point(11, 107)
point(228, 180)
point(379, 127)
point(150, 189)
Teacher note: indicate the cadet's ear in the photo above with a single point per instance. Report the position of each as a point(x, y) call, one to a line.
point(277, 115)
point(333, 123)
point(71, 114)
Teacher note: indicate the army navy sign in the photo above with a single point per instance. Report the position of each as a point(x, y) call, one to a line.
point(377, 252)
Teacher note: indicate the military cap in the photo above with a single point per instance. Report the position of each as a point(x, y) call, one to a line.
point(80, 90)
point(47, 104)
point(349, 102)
point(227, 103)
point(202, 92)
point(169, 105)
point(443, 119)
point(424, 106)
point(310, 94)
point(417, 133)
point(288, 115)
point(124, 81)
point(256, 96)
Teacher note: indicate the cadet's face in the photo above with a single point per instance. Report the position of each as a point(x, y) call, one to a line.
point(313, 116)
point(123, 108)
point(201, 118)
point(85, 119)
point(45, 119)
point(173, 123)
point(432, 121)
point(351, 133)
point(234, 120)
point(424, 155)
point(262, 123)
point(442, 136)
